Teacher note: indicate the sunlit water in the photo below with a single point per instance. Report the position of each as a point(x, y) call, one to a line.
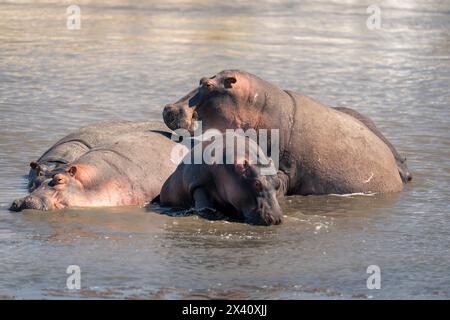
point(132, 57)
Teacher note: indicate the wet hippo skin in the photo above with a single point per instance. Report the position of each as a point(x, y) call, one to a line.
point(238, 190)
point(71, 147)
point(323, 150)
point(127, 169)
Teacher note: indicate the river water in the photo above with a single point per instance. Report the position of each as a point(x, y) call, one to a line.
point(131, 57)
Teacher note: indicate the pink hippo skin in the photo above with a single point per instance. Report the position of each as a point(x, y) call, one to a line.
point(127, 170)
point(77, 143)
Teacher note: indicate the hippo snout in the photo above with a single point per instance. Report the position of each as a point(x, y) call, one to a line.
point(171, 116)
point(270, 211)
point(272, 217)
point(28, 202)
point(178, 117)
point(16, 205)
point(265, 215)
point(262, 218)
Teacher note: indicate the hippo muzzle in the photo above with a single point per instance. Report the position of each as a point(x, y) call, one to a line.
point(267, 213)
point(179, 117)
point(29, 202)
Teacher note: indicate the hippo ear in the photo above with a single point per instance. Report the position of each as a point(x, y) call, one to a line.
point(72, 171)
point(228, 82)
point(243, 168)
point(34, 165)
point(85, 174)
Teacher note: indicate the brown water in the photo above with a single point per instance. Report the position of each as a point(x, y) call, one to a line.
point(132, 57)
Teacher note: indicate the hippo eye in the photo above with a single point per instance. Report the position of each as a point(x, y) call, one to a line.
point(59, 180)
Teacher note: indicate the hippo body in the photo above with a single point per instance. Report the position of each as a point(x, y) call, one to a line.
point(75, 144)
point(322, 150)
point(129, 169)
point(338, 155)
point(237, 190)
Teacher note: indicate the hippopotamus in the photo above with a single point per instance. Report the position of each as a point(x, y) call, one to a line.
point(128, 169)
point(323, 150)
point(239, 189)
point(74, 145)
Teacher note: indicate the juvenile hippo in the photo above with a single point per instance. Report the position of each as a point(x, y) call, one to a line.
point(238, 189)
point(322, 150)
point(74, 145)
point(129, 170)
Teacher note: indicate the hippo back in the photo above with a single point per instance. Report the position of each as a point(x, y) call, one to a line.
point(141, 159)
point(71, 147)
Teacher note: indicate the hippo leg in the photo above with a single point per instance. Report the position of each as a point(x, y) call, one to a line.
point(401, 161)
point(204, 206)
point(283, 178)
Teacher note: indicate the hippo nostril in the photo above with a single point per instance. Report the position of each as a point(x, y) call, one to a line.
point(169, 115)
point(276, 219)
point(271, 216)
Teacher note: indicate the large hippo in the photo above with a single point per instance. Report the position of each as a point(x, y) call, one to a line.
point(322, 150)
point(127, 170)
point(77, 143)
point(238, 188)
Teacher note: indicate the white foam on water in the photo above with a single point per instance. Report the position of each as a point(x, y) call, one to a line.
point(347, 195)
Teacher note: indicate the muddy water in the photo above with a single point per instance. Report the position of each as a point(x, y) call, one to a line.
point(131, 57)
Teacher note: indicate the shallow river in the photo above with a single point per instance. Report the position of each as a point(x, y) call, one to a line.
point(131, 57)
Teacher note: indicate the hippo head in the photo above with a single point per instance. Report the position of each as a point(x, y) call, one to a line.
point(57, 192)
point(39, 172)
point(226, 100)
point(248, 193)
point(254, 194)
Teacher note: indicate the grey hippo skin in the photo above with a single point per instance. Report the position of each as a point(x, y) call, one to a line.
point(75, 144)
point(322, 150)
point(400, 160)
point(128, 169)
point(238, 189)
